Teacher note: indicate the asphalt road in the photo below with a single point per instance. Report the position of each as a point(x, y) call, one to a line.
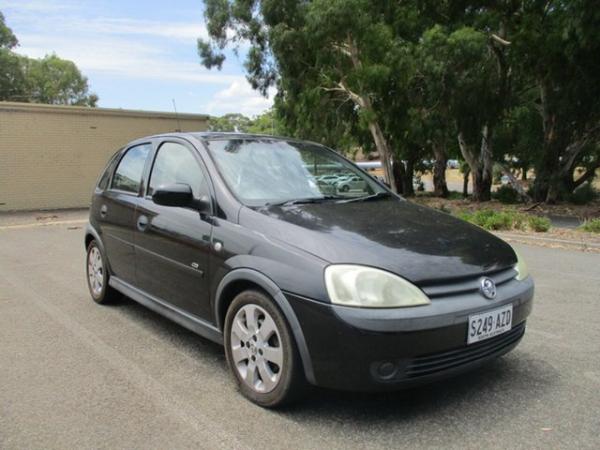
point(77, 375)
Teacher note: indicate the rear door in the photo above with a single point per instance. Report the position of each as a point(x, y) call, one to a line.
point(173, 243)
point(116, 211)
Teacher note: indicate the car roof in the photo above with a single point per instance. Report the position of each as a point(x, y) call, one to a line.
point(214, 135)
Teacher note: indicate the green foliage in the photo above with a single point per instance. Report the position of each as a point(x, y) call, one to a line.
point(266, 123)
point(505, 220)
point(495, 220)
point(57, 81)
point(47, 80)
point(539, 224)
point(507, 194)
point(426, 72)
point(591, 226)
point(7, 38)
point(583, 194)
point(455, 195)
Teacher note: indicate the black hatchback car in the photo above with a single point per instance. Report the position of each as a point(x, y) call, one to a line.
point(306, 268)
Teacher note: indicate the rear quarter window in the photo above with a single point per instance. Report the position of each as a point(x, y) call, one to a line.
point(105, 177)
point(128, 176)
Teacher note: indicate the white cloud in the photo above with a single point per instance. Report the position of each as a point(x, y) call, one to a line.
point(37, 6)
point(131, 48)
point(240, 97)
point(122, 57)
point(184, 31)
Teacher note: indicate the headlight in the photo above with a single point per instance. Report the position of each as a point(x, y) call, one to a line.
point(521, 267)
point(350, 285)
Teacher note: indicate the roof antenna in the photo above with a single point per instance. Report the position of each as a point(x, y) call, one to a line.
point(176, 116)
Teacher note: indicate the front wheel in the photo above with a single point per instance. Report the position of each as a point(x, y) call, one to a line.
point(261, 351)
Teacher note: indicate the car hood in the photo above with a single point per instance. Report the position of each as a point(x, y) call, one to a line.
point(415, 242)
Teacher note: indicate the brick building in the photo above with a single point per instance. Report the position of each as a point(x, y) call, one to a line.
point(50, 156)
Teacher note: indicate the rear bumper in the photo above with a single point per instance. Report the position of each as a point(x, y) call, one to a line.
point(365, 349)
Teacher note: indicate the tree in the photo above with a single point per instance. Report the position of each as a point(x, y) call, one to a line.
point(318, 52)
point(7, 38)
point(57, 81)
point(266, 123)
point(229, 122)
point(48, 80)
point(512, 82)
point(12, 81)
point(558, 45)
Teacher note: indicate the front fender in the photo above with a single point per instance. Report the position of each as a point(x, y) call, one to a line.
point(258, 278)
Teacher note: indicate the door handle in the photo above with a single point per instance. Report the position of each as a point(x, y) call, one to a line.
point(103, 211)
point(142, 223)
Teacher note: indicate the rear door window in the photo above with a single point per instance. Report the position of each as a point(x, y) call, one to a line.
point(128, 176)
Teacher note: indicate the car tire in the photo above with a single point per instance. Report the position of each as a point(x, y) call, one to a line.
point(345, 188)
point(261, 351)
point(96, 271)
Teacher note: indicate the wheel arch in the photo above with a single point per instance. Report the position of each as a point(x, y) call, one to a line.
point(242, 279)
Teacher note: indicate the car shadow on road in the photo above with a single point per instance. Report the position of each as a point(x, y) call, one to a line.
point(510, 383)
point(169, 331)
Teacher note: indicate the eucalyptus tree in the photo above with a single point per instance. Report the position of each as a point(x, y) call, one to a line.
point(559, 46)
point(345, 55)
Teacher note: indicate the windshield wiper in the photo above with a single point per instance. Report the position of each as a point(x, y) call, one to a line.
point(367, 198)
point(301, 201)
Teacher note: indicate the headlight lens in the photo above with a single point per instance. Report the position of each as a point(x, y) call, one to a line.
point(366, 287)
point(521, 267)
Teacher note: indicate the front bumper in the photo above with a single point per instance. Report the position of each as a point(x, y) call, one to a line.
point(370, 349)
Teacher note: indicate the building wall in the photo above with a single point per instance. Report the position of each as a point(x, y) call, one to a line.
point(51, 156)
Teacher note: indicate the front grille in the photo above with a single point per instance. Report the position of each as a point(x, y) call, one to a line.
point(465, 285)
point(431, 364)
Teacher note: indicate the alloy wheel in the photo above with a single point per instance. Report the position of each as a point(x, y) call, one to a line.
point(95, 271)
point(256, 348)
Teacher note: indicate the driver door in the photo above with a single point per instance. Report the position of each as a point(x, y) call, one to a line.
point(173, 243)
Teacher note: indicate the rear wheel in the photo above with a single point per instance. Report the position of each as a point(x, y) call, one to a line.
point(97, 275)
point(261, 351)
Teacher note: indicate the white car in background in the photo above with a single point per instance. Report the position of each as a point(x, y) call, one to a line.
point(329, 179)
point(352, 182)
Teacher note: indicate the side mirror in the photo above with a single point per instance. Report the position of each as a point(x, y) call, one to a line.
point(173, 195)
point(179, 194)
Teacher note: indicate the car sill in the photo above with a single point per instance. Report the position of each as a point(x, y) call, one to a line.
point(184, 319)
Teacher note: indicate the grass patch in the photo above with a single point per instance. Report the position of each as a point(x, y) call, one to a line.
point(539, 224)
point(492, 220)
point(592, 226)
point(455, 195)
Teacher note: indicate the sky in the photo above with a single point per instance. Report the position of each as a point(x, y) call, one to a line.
point(136, 54)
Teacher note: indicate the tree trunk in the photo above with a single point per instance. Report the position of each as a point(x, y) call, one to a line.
point(440, 188)
point(409, 188)
point(482, 186)
point(384, 152)
point(399, 174)
point(403, 175)
point(362, 100)
point(466, 183)
point(480, 164)
point(545, 187)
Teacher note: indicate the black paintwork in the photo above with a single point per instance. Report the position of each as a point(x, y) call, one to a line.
point(169, 253)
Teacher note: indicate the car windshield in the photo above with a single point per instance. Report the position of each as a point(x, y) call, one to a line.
point(264, 172)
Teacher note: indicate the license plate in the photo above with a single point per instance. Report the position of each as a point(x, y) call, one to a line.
point(489, 324)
